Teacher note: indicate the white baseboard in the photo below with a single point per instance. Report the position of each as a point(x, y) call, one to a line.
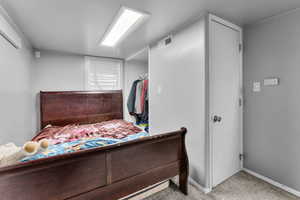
point(198, 186)
point(272, 182)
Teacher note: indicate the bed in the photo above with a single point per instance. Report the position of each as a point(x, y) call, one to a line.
point(108, 172)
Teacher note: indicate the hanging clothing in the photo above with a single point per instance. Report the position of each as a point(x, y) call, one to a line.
point(138, 102)
point(144, 93)
point(145, 114)
point(138, 99)
point(132, 97)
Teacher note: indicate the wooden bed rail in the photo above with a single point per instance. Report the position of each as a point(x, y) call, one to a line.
point(105, 173)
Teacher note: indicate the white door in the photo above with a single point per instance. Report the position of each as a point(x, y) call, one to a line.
point(225, 93)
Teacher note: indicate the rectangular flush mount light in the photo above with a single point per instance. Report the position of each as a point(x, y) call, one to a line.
point(125, 22)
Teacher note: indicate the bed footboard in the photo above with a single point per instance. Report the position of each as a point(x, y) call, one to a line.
point(105, 173)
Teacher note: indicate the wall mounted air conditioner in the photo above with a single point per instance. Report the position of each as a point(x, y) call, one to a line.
point(9, 33)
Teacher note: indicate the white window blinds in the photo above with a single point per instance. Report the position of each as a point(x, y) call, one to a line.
point(103, 74)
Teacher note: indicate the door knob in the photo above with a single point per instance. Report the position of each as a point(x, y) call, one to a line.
point(217, 119)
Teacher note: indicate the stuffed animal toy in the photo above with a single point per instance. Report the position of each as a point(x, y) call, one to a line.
point(10, 153)
point(44, 144)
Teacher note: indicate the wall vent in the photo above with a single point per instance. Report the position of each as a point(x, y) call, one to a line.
point(166, 41)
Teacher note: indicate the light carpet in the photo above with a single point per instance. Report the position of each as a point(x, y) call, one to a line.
point(241, 186)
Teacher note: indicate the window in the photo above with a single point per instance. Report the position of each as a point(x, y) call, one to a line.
point(103, 74)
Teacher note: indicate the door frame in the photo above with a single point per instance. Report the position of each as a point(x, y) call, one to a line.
point(209, 139)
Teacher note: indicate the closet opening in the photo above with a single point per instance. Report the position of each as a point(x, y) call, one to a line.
point(136, 85)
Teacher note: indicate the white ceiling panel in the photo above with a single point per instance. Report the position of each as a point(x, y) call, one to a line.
point(76, 26)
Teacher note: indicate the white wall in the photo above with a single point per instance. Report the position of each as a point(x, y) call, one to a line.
point(55, 71)
point(58, 71)
point(15, 90)
point(132, 70)
point(271, 117)
point(178, 70)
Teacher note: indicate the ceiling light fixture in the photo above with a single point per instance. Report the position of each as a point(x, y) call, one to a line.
point(124, 23)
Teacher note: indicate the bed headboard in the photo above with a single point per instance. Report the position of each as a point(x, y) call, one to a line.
point(82, 107)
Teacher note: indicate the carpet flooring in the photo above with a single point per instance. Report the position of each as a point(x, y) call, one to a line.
point(241, 186)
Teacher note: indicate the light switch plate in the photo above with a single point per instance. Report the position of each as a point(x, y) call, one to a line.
point(159, 89)
point(271, 81)
point(256, 87)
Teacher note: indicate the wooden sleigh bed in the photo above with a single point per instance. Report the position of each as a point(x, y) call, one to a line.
point(104, 173)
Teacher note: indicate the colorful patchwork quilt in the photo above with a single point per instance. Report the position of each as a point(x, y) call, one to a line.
point(115, 129)
point(81, 144)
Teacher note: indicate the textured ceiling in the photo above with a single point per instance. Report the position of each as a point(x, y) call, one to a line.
point(76, 26)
